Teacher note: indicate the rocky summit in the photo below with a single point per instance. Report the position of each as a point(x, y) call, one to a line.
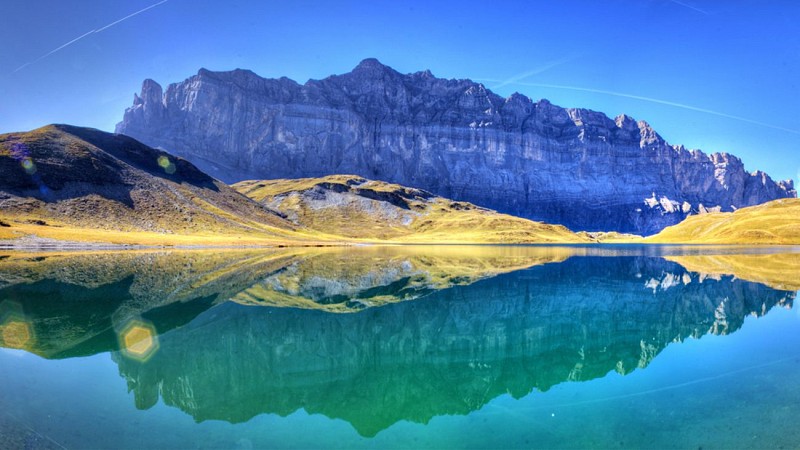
point(454, 138)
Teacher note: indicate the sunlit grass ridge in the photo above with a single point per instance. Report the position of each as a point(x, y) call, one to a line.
point(774, 223)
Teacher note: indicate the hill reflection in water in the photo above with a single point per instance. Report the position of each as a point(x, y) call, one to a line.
point(431, 331)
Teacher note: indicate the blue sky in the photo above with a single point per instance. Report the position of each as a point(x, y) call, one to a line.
point(714, 75)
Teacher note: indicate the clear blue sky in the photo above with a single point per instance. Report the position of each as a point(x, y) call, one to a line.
point(739, 61)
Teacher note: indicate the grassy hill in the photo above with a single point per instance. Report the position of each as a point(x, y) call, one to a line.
point(360, 209)
point(610, 237)
point(59, 181)
point(774, 223)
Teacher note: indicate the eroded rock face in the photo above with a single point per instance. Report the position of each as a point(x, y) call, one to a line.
point(454, 138)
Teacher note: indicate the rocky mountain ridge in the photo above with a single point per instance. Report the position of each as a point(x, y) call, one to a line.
point(454, 138)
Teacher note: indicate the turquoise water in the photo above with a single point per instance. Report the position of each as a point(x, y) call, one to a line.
point(501, 347)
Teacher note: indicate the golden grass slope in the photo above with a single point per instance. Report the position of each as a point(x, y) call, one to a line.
point(70, 235)
point(772, 223)
point(80, 184)
point(365, 210)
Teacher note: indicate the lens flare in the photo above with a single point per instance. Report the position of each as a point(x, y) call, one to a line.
point(138, 340)
point(16, 334)
point(29, 166)
point(166, 164)
point(15, 330)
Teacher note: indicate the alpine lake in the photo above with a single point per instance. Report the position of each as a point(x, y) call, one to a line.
point(401, 347)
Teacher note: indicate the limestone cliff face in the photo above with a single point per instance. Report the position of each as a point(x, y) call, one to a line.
point(454, 138)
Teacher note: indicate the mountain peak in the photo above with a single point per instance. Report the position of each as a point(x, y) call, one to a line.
point(372, 68)
point(229, 75)
point(151, 91)
point(371, 64)
point(426, 74)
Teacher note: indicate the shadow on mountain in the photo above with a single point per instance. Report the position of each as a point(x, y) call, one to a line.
point(59, 162)
point(142, 157)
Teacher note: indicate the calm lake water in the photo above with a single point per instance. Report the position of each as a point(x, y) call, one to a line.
point(402, 347)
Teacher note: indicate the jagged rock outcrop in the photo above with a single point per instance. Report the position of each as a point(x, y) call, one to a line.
point(454, 138)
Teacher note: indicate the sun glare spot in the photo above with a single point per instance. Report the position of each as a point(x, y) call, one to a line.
point(16, 334)
point(15, 330)
point(29, 166)
point(139, 340)
point(166, 164)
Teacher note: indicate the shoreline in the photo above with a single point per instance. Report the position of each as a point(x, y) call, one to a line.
point(33, 243)
point(37, 243)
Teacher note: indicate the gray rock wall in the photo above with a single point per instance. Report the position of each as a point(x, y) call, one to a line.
point(454, 138)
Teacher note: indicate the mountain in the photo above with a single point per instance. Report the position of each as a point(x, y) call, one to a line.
point(61, 179)
point(454, 138)
point(357, 208)
point(776, 223)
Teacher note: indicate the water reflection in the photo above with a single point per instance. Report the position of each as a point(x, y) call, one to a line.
point(484, 322)
point(77, 304)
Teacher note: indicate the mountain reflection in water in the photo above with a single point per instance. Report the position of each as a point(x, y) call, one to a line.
point(428, 331)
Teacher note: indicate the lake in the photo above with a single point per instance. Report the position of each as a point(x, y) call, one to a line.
point(403, 347)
